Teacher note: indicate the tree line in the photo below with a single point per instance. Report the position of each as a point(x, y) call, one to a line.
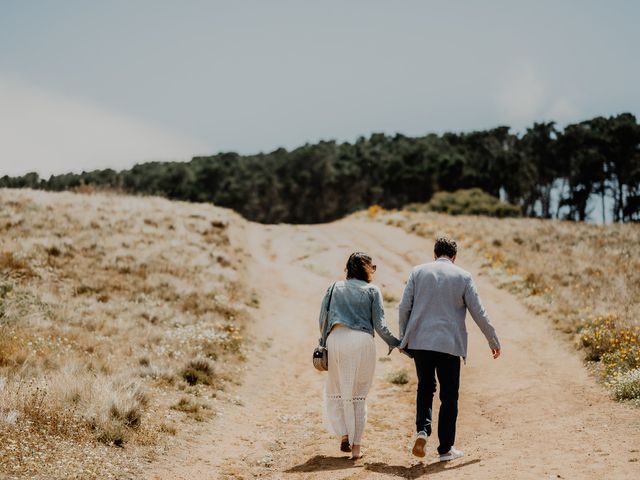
point(546, 171)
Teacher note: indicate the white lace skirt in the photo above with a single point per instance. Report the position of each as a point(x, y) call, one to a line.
point(352, 361)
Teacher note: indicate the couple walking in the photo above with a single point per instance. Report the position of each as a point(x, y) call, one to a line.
point(432, 331)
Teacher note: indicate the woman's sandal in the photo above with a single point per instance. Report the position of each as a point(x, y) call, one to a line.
point(359, 456)
point(344, 446)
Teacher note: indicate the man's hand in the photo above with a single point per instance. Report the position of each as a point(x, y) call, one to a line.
point(495, 352)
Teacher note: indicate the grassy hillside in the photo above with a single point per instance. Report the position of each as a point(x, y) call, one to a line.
point(120, 323)
point(586, 278)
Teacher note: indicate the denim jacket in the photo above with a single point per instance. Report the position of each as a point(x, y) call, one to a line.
point(355, 304)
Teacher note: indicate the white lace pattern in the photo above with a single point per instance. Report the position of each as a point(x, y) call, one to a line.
point(352, 360)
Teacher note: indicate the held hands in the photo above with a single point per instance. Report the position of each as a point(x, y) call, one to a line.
point(495, 352)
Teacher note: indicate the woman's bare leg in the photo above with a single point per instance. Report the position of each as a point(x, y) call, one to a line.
point(355, 452)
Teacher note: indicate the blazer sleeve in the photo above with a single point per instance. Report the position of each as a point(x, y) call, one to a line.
point(379, 324)
point(478, 313)
point(406, 304)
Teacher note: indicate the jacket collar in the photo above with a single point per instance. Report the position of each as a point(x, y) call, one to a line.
point(443, 259)
point(355, 280)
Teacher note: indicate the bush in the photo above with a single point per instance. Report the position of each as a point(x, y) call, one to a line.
point(15, 265)
point(617, 346)
point(197, 410)
point(115, 408)
point(400, 377)
point(374, 210)
point(468, 202)
point(621, 360)
point(598, 336)
point(627, 385)
point(198, 371)
point(618, 350)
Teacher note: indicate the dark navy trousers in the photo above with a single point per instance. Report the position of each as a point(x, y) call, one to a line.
point(446, 368)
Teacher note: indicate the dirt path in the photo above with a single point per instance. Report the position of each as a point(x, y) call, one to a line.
point(534, 413)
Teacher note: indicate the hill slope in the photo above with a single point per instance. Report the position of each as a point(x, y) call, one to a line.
point(116, 314)
point(122, 325)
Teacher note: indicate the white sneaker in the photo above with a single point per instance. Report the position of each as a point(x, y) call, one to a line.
point(452, 454)
point(420, 443)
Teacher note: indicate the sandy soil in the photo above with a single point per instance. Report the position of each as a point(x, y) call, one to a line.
point(533, 413)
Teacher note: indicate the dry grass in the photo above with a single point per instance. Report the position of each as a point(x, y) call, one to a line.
point(105, 302)
point(586, 278)
point(198, 371)
point(398, 377)
point(194, 408)
point(389, 298)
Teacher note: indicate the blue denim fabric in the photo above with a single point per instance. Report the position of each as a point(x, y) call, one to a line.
point(358, 305)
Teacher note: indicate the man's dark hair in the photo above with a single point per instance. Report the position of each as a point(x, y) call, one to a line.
point(445, 247)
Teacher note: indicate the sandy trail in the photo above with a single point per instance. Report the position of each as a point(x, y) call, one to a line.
point(534, 413)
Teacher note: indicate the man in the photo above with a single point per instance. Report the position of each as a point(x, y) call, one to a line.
point(433, 331)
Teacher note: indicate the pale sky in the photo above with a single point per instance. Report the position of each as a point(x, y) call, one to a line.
point(94, 84)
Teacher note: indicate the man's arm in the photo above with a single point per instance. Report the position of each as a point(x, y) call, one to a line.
point(479, 315)
point(406, 304)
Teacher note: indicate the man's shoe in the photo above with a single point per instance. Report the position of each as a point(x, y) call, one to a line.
point(452, 454)
point(420, 443)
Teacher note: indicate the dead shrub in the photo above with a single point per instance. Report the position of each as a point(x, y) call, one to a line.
point(14, 265)
point(194, 303)
point(198, 371)
point(35, 407)
point(13, 351)
point(54, 251)
point(115, 410)
point(219, 224)
point(399, 377)
point(196, 410)
point(171, 429)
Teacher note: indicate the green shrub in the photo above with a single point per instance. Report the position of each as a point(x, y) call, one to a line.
point(468, 202)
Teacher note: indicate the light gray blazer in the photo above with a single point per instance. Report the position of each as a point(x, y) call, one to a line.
point(433, 309)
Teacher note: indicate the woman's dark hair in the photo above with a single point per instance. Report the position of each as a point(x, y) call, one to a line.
point(360, 266)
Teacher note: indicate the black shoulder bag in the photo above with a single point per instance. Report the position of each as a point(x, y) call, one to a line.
point(320, 353)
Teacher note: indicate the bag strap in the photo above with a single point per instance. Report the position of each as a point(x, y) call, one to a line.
point(323, 340)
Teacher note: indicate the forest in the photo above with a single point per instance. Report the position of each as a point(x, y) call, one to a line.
point(545, 171)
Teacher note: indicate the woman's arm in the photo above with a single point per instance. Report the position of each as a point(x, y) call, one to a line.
point(377, 315)
point(324, 317)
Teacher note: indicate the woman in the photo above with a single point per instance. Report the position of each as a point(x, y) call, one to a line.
point(351, 310)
